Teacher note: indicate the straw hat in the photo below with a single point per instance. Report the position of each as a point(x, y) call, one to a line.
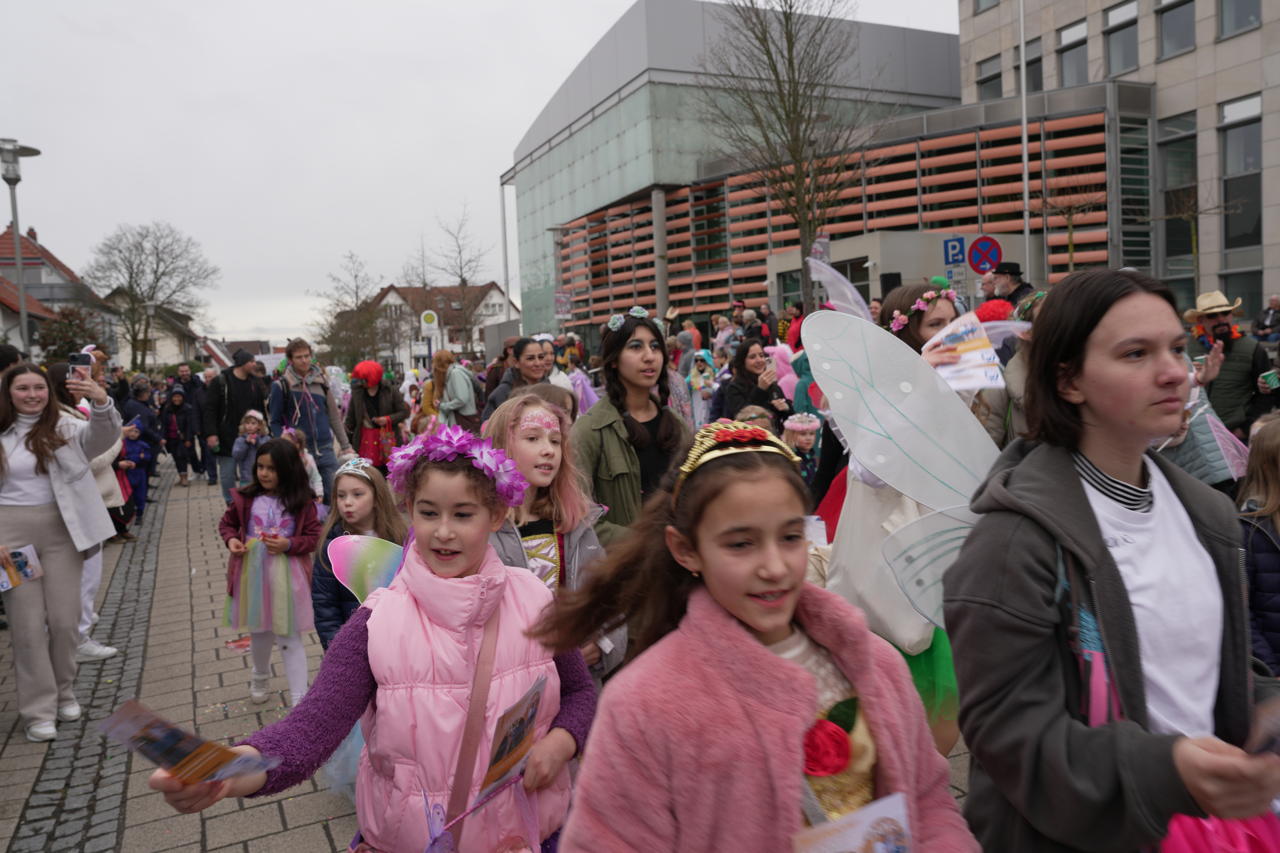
point(1210, 303)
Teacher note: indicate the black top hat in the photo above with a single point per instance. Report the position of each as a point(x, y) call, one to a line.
point(1008, 268)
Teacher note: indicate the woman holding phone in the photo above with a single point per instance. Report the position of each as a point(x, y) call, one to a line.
point(755, 383)
point(48, 500)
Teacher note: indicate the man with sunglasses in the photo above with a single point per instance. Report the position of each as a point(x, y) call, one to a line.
point(1239, 394)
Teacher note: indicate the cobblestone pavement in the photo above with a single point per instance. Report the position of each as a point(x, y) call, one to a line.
point(161, 605)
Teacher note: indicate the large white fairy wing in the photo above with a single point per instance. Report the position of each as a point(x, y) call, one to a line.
point(840, 291)
point(899, 418)
point(919, 554)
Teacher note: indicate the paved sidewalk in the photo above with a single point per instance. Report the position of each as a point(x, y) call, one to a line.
point(162, 606)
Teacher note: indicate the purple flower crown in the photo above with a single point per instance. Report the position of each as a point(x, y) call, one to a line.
point(447, 444)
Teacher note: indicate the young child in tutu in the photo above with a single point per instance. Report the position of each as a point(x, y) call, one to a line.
point(271, 530)
point(413, 661)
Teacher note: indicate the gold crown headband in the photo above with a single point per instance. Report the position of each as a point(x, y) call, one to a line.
point(722, 439)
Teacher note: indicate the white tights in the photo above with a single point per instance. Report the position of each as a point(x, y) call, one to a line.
point(294, 655)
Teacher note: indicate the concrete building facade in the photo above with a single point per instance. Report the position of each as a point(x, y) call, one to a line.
point(1213, 67)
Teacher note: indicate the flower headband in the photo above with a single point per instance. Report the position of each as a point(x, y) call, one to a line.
point(354, 466)
point(447, 444)
point(802, 422)
point(899, 321)
point(723, 438)
point(616, 321)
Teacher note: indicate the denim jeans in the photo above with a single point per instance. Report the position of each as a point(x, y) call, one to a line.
point(226, 475)
point(327, 462)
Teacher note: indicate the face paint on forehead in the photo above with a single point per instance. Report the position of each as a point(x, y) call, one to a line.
point(539, 418)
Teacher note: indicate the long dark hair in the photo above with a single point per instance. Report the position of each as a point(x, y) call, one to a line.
point(56, 374)
point(639, 582)
point(517, 350)
point(43, 438)
point(1069, 314)
point(611, 348)
point(292, 485)
point(740, 373)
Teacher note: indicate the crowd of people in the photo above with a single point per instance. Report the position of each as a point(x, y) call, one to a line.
point(629, 534)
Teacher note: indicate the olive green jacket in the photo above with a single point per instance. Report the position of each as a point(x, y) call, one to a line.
point(604, 454)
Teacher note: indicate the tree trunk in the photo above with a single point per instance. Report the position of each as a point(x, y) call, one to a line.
point(1071, 243)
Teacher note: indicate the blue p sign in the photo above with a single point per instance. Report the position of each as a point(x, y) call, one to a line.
point(953, 251)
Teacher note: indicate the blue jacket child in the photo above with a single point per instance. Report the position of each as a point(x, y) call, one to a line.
point(140, 454)
point(1262, 566)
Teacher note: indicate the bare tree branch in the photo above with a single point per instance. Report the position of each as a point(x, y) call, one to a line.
point(348, 324)
point(460, 260)
point(150, 265)
point(775, 91)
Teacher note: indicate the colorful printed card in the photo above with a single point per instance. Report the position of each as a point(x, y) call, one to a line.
point(978, 367)
point(878, 827)
point(17, 566)
point(513, 737)
point(188, 757)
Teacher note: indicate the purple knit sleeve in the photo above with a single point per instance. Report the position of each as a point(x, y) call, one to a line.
point(343, 688)
point(577, 696)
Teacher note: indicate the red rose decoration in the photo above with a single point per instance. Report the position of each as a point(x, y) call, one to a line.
point(826, 749)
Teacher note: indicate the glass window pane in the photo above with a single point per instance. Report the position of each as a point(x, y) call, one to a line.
point(1120, 14)
point(1184, 292)
point(1241, 109)
point(1237, 15)
point(989, 66)
point(1177, 29)
point(1246, 286)
point(1242, 222)
point(989, 90)
point(1242, 148)
point(1178, 163)
point(1035, 76)
point(1177, 232)
point(1174, 125)
point(1033, 50)
point(984, 5)
point(1122, 50)
point(1073, 66)
point(1073, 32)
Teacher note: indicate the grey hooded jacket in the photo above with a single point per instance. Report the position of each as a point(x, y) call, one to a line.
point(581, 550)
point(1040, 778)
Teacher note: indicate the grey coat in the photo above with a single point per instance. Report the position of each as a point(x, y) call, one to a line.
point(581, 550)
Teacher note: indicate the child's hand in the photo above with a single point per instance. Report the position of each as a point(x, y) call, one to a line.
point(590, 653)
point(126, 464)
point(188, 798)
point(235, 546)
point(276, 544)
point(547, 758)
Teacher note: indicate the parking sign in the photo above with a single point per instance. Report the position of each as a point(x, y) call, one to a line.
point(952, 251)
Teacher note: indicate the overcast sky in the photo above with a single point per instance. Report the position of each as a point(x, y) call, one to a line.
point(282, 134)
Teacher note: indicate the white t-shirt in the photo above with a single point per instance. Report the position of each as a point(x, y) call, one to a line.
point(1177, 604)
point(21, 485)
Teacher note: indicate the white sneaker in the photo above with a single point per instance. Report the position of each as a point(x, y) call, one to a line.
point(94, 619)
point(37, 732)
point(93, 650)
point(69, 713)
point(258, 688)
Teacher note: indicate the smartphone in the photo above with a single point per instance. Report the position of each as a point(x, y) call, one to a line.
point(768, 363)
point(81, 364)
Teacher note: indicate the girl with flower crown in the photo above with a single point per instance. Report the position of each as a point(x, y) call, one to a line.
point(628, 440)
point(552, 532)
point(756, 704)
point(431, 662)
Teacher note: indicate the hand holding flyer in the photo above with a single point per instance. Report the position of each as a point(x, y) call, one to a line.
point(978, 366)
point(188, 757)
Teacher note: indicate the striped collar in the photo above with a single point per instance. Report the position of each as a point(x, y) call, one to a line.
point(1129, 497)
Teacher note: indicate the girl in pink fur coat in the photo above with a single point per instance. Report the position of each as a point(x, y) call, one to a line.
point(758, 705)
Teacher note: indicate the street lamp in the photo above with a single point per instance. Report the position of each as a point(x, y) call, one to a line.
point(11, 169)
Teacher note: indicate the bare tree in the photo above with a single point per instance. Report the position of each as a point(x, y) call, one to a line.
point(348, 324)
point(139, 268)
point(1069, 204)
point(1185, 206)
point(459, 261)
point(777, 90)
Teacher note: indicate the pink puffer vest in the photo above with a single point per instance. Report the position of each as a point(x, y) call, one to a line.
point(424, 638)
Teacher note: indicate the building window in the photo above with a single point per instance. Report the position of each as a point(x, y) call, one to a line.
point(1236, 16)
point(980, 6)
point(1242, 172)
point(989, 88)
point(1246, 286)
point(1121, 36)
point(1177, 23)
point(1176, 156)
point(1073, 55)
point(1035, 68)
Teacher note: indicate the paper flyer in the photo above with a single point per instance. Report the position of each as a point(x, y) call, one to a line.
point(513, 737)
point(878, 827)
point(17, 566)
point(188, 757)
point(979, 367)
